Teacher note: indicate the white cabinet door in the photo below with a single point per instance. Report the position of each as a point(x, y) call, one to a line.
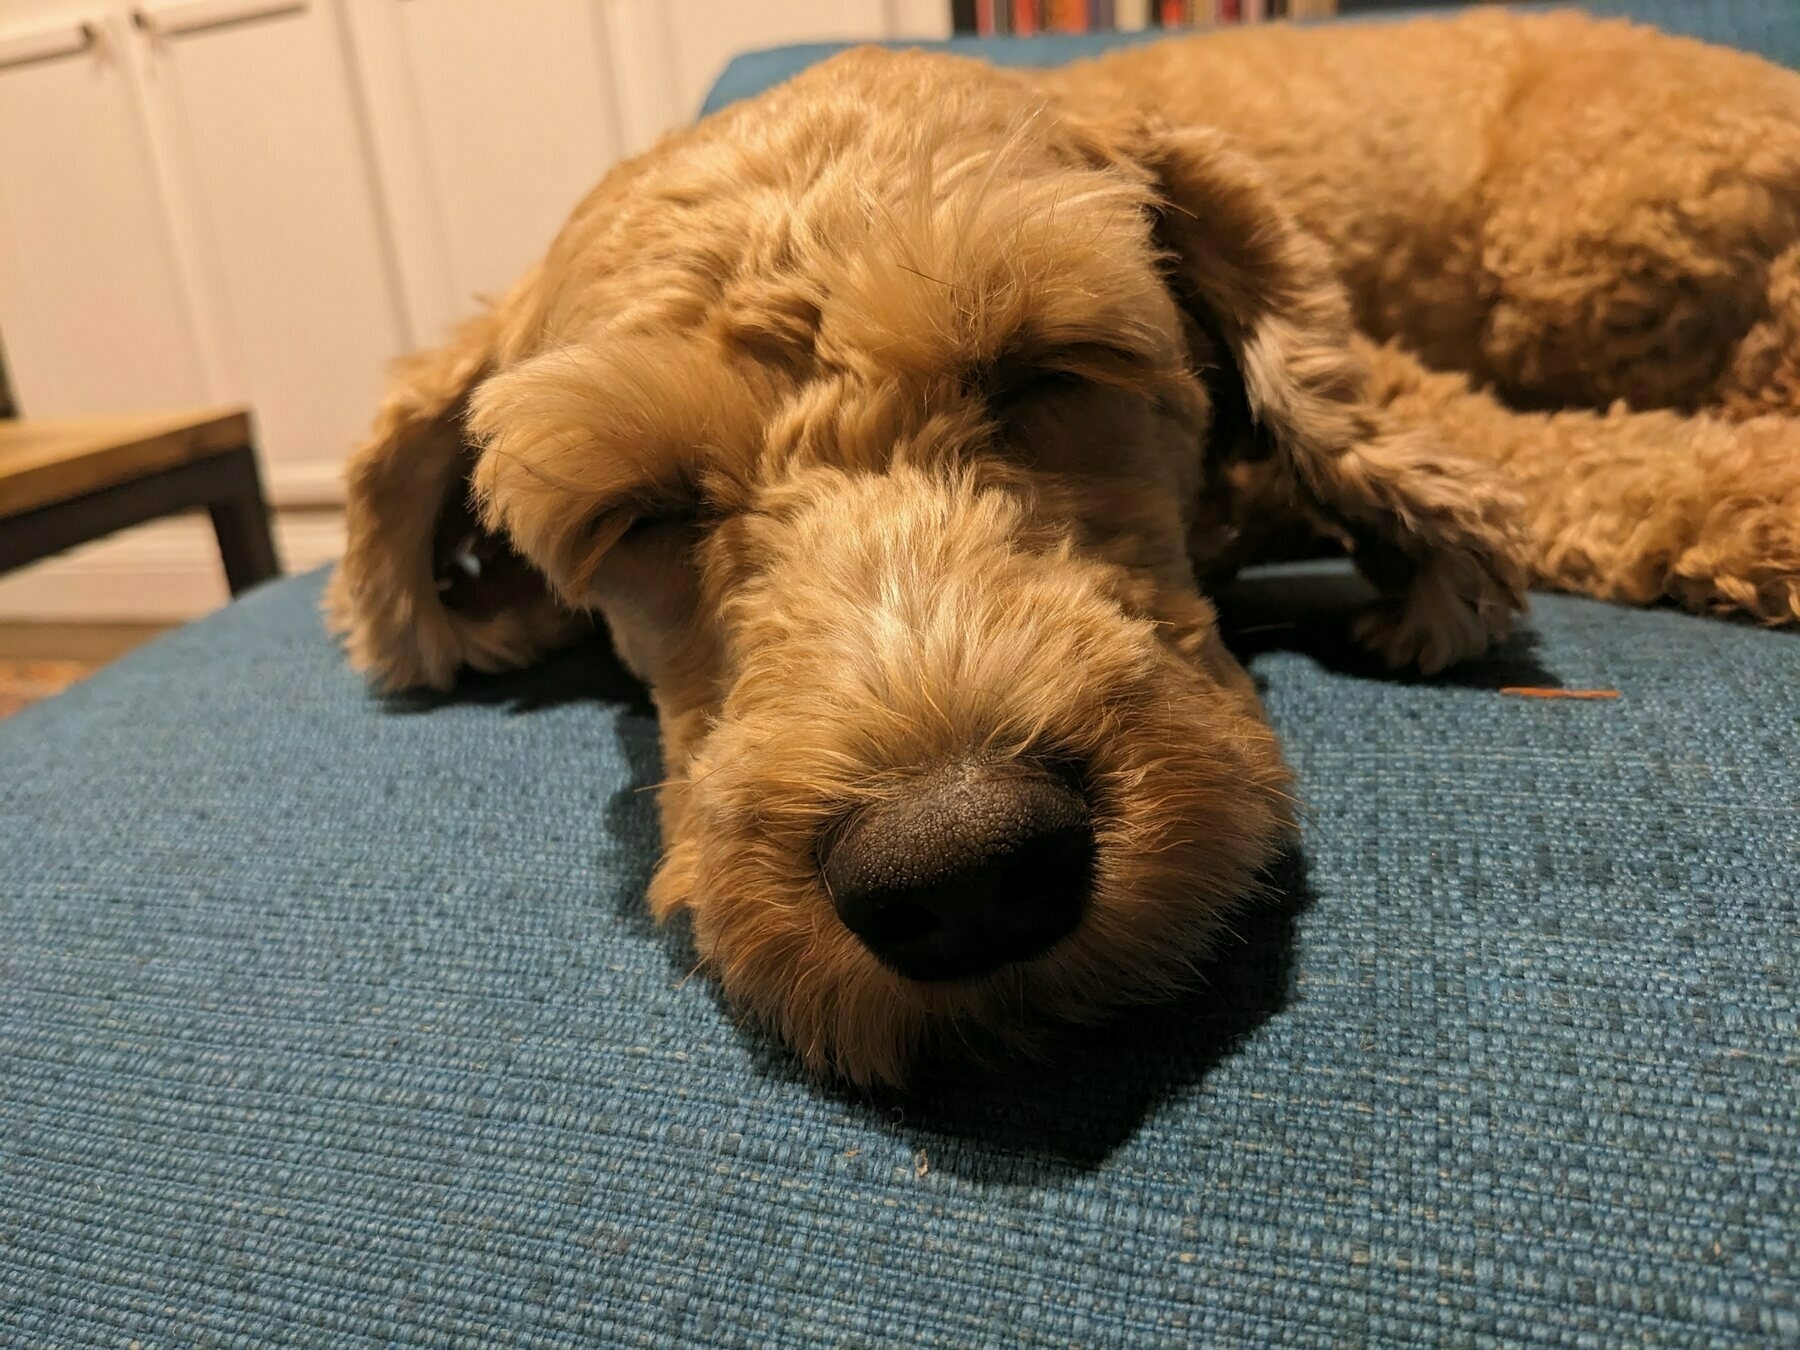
point(669, 52)
point(706, 34)
point(491, 120)
point(255, 104)
point(92, 305)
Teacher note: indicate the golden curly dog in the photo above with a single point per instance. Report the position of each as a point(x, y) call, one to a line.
point(895, 420)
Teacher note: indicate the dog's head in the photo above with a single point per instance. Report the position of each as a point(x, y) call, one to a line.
point(879, 419)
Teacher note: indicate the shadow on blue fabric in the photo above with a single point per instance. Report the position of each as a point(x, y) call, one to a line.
point(1307, 608)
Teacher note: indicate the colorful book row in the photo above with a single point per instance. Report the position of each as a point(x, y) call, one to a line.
point(1024, 17)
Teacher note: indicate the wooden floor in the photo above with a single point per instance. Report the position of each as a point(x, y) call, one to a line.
point(96, 643)
point(41, 659)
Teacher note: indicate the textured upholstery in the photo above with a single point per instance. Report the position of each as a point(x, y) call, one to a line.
point(323, 1016)
point(330, 1020)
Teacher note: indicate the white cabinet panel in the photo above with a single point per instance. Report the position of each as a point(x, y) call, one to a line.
point(921, 19)
point(518, 122)
point(667, 53)
point(261, 119)
point(491, 118)
point(708, 33)
point(91, 301)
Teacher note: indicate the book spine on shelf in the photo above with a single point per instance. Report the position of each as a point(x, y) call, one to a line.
point(989, 18)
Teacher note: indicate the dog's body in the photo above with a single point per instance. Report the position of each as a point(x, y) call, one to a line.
point(1569, 214)
point(894, 419)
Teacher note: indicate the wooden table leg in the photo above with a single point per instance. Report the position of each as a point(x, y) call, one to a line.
point(240, 519)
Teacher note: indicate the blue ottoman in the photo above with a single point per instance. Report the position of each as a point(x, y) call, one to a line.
point(325, 1019)
point(333, 1019)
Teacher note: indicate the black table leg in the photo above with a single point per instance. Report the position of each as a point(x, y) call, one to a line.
point(240, 519)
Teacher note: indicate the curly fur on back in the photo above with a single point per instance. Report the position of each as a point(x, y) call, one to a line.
point(1571, 214)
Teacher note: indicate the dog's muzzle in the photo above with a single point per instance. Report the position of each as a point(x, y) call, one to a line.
point(972, 868)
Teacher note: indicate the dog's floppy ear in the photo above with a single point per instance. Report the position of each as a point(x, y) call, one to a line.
point(1440, 535)
point(424, 589)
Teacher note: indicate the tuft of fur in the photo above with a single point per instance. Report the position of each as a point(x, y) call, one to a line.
point(897, 416)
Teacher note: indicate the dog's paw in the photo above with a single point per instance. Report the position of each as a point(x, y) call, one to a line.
point(1744, 557)
point(1445, 540)
point(1453, 610)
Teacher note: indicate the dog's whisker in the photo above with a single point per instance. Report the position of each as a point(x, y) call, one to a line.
point(924, 275)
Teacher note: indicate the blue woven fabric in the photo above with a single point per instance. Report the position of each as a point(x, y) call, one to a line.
point(1769, 27)
point(330, 1020)
point(325, 1019)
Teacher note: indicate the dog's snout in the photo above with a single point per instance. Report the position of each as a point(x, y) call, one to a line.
point(972, 868)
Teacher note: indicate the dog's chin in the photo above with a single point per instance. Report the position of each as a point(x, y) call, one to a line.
point(1189, 807)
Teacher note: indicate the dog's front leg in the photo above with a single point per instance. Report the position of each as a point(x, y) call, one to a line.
point(1271, 334)
point(1628, 506)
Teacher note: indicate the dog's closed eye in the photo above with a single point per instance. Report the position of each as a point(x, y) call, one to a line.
point(653, 526)
point(632, 529)
point(1018, 375)
point(1019, 386)
point(1033, 398)
point(1007, 391)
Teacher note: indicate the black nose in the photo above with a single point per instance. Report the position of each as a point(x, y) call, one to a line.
point(971, 868)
